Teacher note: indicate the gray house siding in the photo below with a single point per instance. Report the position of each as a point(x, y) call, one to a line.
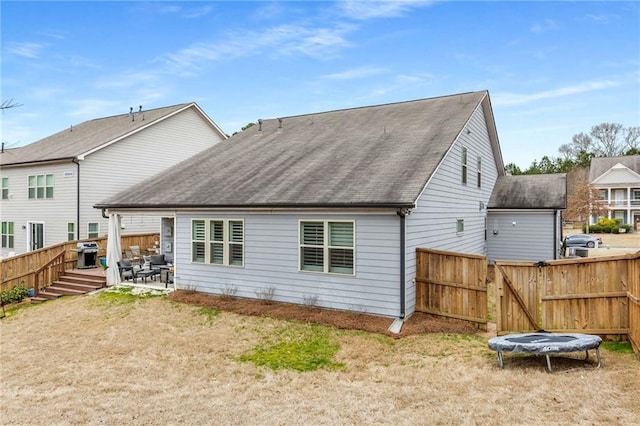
point(271, 260)
point(518, 235)
point(126, 163)
point(433, 223)
point(54, 212)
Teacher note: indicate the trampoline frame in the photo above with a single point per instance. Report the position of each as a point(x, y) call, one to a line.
point(592, 342)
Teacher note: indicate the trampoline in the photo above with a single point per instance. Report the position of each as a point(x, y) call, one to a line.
point(542, 343)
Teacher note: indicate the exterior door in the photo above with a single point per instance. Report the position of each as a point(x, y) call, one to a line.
point(35, 238)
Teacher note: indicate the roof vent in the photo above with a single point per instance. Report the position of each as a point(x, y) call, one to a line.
point(260, 124)
point(140, 110)
point(280, 123)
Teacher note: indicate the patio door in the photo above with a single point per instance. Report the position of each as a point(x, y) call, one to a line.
point(35, 236)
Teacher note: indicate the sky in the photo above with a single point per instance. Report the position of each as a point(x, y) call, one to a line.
point(553, 69)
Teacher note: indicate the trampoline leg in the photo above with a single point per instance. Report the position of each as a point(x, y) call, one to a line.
point(548, 362)
point(500, 360)
point(586, 355)
point(598, 358)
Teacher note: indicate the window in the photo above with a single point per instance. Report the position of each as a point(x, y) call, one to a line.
point(602, 194)
point(71, 231)
point(464, 166)
point(327, 247)
point(5, 188)
point(7, 235)
point(40, 186)
point(93, 230)
point(217, 242)
point(479, 172)
point(459, 226)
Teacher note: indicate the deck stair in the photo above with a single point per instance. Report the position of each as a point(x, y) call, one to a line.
point(72, 282)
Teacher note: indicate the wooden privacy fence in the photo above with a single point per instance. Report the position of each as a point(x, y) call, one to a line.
point(452, 285)
point(593, 296)
point(38, 268)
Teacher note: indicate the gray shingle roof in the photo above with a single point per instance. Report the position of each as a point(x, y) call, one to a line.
point(530, 192)
point(85, 136)
point(371, 156)
point(601, 165)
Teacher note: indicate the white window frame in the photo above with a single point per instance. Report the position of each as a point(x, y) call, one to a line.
point(227, 243)
point(8, 234)
point(464, 160)
point(71, 234)
point(47, 189)
point(5, 188)
point(479, 172)
point(459, 226)
point(96, 233)
point(326, 247)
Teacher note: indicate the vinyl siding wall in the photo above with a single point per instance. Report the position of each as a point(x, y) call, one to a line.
point(433, 223)
point(517, 235)
point(115, 168)
point(271, 260)
point(54, 212)
point(128, 162)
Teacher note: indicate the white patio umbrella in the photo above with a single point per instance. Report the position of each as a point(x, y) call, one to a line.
point(114, 250)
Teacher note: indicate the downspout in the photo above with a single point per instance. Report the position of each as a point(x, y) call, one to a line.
point(75, 160)
point(403, 214)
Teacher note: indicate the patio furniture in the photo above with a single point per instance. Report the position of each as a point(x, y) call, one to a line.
point(128, 270)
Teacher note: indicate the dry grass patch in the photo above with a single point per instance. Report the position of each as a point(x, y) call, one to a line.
point(158, 361)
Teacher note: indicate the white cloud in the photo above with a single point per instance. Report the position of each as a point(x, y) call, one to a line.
point(506, 99)
point(355, 73)
point(86, 109)
point(275, 41)
point(362, 10)
point(544, 26)
point(197, 12)
point(26, 50)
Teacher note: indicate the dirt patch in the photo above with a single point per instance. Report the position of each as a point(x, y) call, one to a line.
point(418, 323)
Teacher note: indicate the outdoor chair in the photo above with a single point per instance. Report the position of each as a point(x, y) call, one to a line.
point(133, 254)
point(128, 270)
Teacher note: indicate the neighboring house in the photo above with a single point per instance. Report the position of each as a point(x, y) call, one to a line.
point(49, 187)
point(618, 179)
point(525, 217)
point(328, 208)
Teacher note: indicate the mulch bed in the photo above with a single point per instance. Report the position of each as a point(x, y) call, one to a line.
point(418, 323)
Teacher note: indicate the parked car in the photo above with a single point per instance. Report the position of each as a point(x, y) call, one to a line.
point(582, 240)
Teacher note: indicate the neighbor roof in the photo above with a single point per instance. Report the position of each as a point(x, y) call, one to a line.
point(371, 156)
point(601, 165)
point(530, 192)
point(90, 135)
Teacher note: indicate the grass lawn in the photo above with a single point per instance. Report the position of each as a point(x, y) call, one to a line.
point(102, 359)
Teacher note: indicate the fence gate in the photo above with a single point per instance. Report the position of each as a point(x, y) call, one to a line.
point(452, 285)
point(572, 296)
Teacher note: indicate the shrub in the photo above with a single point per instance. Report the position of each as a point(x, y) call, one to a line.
point(16, 294)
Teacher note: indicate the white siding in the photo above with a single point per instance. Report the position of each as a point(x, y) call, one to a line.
point(433, 223)
point(112, 169)
point(271, 260)
point(517, 235)
point(55, 212)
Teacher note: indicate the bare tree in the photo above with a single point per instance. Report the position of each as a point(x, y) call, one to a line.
point(567, 151)
point(632, 138)
point(9, 104)
point(607, 142)
point(585, 202)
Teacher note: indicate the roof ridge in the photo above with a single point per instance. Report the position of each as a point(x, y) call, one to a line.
point(376, 105)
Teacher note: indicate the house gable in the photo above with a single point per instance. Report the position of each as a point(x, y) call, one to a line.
point(619, 174)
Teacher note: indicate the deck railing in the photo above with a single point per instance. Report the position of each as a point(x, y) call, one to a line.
point(49, 272)
point(21, 270)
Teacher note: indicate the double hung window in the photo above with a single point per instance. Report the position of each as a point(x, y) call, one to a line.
point(93, 230)
point(40, 186)
point(7, 235)
point(217, 241)
point(327, 246)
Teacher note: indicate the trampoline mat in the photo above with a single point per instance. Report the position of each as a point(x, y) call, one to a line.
point(544, 343)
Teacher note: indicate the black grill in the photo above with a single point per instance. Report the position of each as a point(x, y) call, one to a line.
point(87, 254)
